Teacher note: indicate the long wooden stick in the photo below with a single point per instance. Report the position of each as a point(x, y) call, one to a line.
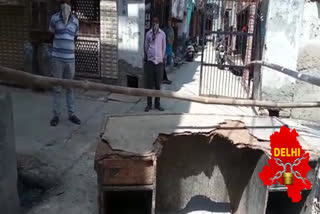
point(30, 80)
point(297, 75)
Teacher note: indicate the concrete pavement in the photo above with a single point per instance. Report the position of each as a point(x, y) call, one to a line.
point(186, 79)
point(65, 153)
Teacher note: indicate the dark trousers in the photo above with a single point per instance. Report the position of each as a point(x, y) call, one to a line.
point(165, 77)
point(154, 75)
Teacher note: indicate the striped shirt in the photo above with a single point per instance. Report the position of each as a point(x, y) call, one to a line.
point(64, 35)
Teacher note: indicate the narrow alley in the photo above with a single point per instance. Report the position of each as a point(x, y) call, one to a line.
point(61, 159)
point(100, 152)
point(64, 155)
point(186, 78)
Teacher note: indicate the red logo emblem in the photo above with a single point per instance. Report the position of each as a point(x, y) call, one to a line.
point(288, 165)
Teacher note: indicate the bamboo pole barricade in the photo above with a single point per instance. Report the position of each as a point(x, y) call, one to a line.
point(30, 80)
point(297, 75)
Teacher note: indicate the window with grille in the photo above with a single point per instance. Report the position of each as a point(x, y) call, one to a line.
point(87, 57)
point(87, 10)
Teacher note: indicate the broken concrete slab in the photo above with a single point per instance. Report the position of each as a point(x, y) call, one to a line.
point(184, 162)
point(9, 200)
point(150, 126)
point(184, 173)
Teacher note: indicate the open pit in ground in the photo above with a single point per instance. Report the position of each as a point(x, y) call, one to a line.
point(190, 163)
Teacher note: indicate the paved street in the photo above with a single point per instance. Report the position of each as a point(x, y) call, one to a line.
point(186, 79)
point(65, 154)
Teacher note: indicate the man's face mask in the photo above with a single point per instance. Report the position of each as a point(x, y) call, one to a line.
point(66, 11)
point(155, 26)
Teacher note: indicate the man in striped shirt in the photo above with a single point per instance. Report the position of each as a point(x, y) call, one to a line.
point(65, 27)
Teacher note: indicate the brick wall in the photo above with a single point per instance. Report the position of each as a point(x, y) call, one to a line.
point(109, 39)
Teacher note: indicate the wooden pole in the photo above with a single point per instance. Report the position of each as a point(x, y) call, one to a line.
point(297, 75)
point(30, 80)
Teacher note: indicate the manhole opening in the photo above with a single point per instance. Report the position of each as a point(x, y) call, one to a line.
point(279, 202)
point(132, 81)
point(128, 202)
point(274, 112)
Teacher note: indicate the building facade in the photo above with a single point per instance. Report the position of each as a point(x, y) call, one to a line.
point(110, 46)
point(291, 37)
point(308, 60)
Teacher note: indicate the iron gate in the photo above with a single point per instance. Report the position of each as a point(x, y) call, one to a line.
point(228, 27)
